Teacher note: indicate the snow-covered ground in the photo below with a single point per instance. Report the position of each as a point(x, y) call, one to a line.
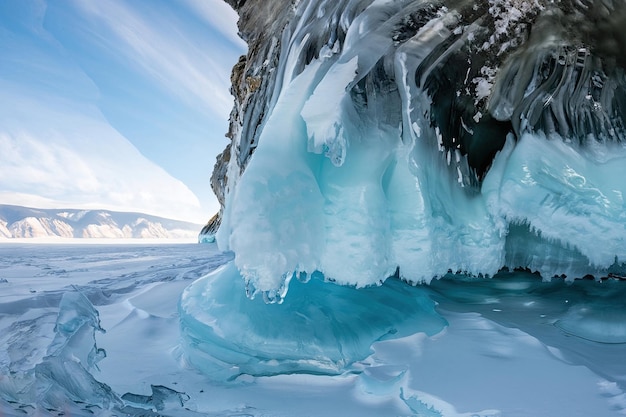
point(509, 346)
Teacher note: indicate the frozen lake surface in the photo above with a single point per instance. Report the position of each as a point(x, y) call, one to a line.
point(509, 346)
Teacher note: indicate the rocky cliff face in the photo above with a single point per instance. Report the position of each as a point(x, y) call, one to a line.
point(253, 79)
point(489, 68)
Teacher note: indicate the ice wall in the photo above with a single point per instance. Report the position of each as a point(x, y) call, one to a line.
point(376, 136)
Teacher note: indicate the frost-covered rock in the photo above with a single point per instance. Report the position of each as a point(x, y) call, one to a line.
point(369, 135)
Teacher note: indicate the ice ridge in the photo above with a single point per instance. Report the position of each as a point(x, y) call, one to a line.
point(61, 379)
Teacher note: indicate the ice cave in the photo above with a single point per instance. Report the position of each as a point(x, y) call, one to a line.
point(378, 142)
point(422, 214)
point(425, 137)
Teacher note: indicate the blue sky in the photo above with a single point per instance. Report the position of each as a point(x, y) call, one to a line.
point(119, 104)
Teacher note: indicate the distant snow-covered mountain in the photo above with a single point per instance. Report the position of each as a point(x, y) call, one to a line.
point(26, 222)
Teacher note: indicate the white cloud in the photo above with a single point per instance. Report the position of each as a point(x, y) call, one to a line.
point(180, 62)
point(58, 150)
point(33, 163)
point(219, 15)
point(59, 158)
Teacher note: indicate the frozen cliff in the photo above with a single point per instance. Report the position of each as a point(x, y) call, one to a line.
point(373, 138)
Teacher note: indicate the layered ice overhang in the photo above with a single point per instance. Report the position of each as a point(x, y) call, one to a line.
point(371, 138)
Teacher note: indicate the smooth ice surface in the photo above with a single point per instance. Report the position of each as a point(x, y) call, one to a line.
point(512, 345)
point(320, 328)
point(358, 168)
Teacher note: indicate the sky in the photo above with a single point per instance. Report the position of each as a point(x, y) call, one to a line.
point(115, 104)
